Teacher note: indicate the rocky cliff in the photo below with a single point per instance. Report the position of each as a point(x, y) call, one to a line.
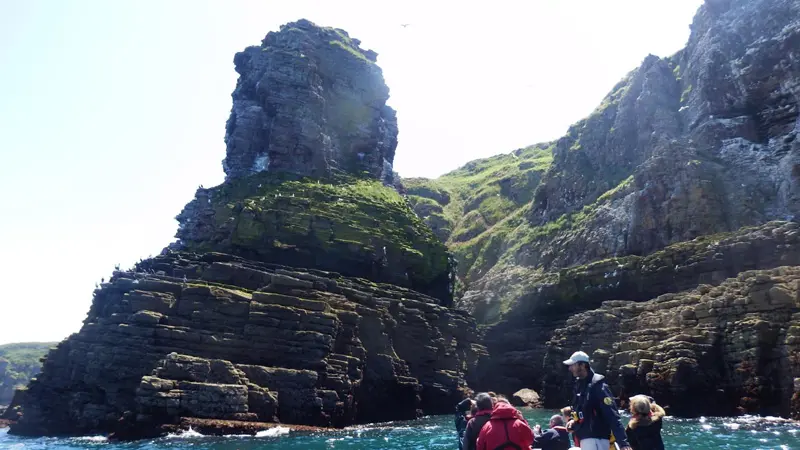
point(309, 100)
point(735, 346)
point(214, 336)
point(672, 182)
point(302, 290)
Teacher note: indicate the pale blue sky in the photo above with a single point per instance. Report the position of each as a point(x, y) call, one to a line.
point(113, 112)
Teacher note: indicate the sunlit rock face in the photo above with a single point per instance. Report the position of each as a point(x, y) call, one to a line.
point(303, 289)
point(688, 173)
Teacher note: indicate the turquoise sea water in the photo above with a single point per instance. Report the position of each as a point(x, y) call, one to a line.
point(742, 433)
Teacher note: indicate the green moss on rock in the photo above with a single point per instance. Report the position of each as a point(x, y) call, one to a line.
point(484, 192)
point(474, 207)
point(357, 227)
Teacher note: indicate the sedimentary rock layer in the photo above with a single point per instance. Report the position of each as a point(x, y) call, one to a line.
point(214, 336)
point(515, 342)
point(727, 349)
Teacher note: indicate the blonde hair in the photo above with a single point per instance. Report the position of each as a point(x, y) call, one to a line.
point(644, 412)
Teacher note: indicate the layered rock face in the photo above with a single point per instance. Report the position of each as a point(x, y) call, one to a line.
point(516, 343)
point(214, 336)
point(275, 303)
point(727, 349)
point(310, 101)
point(674, 181)
point(699, 143)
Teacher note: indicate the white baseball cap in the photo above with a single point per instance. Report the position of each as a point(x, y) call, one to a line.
point(576, 358)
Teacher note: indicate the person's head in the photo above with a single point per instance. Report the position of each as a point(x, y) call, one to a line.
point(473, 409)
point(501, 399)
point(640, 406)
point(566, 412)
point(578, 364)
point(556, 421)
point(484, 401)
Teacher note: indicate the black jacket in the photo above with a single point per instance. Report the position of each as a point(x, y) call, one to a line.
point(461, 427)
point(646, 437)
point(553, 439)
point(474, 426)
point(597, 410)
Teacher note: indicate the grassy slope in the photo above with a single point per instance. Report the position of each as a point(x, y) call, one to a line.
point(483, 205)
point(481, 202)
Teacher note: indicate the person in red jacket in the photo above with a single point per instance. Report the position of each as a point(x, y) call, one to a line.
point(506, 430)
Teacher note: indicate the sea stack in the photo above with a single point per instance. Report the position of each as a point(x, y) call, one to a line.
point(302, 290)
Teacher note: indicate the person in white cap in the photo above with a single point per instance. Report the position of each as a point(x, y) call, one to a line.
point(595, 414)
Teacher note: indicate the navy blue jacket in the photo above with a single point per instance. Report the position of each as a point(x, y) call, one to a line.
point(597, 410)
point(556, 438)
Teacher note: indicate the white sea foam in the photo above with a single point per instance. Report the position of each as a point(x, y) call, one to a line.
point(92, 438)
point(185, 434)
point(331, 440)
point(273, 432)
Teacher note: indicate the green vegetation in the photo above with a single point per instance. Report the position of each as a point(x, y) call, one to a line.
point(488, 204)
point(609, 194)
point(353, 51)
point(613, 98)
point(685, 94)
point(485, 191)
point(474, 207)
point(479, 246)
point(342, 36)
point(355, 226)
point(18, 364)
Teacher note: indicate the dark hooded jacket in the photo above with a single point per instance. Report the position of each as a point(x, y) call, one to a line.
point(474, 426)
point(597, 410)
point(556, 438)
point(461, 421)
point(646, 434)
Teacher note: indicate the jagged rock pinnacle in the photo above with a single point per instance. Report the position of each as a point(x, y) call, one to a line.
point(310, 101)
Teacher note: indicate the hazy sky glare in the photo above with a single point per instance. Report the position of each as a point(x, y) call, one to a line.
point(113, 112)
